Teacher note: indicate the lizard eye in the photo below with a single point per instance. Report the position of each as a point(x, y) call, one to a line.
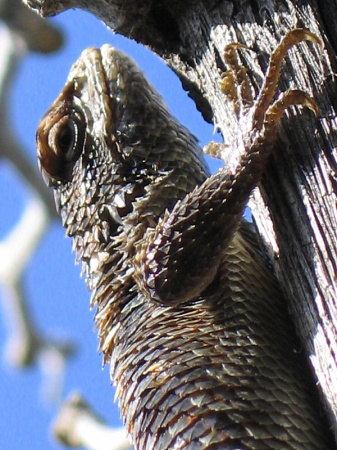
point(68, 139)
point(60, 142)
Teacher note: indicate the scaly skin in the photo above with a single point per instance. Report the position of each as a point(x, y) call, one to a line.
point(189, 316)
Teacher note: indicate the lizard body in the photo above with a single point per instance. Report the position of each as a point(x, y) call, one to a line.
point(190, 318)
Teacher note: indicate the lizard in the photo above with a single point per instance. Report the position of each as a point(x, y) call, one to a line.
point(189, 315)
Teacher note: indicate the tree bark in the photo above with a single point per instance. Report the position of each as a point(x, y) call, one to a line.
point(295, 207)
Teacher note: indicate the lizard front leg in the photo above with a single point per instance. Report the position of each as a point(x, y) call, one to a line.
point(180, 257)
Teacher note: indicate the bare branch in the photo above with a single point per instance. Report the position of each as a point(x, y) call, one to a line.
point(78, 426)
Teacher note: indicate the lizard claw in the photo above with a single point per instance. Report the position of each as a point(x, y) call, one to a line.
point(235, 83)
point(272, 76)
point(291, 97)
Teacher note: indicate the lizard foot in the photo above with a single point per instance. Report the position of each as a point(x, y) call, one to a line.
point(264, 110)
point(235, 82)
point(260, 117)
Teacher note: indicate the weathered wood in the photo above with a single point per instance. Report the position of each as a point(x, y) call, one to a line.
point(299, 190)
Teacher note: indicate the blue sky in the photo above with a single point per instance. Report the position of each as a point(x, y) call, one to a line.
point(58, 298)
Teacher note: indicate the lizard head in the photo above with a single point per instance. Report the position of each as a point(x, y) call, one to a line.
point(114, 155)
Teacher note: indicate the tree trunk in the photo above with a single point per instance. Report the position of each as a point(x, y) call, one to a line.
point(295, 207)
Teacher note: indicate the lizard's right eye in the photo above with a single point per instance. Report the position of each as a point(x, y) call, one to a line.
point(68, 140)
point(60, 142)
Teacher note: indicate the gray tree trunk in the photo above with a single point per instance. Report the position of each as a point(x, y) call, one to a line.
point(295, 207)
